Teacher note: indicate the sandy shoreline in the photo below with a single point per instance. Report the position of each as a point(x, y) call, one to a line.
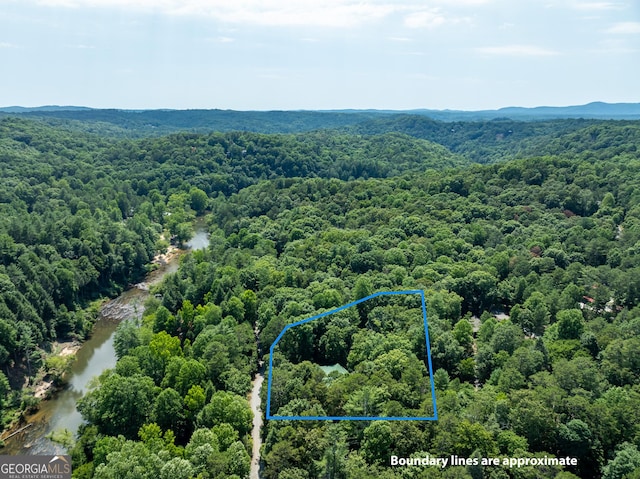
point(164, 258)
point(45, 385)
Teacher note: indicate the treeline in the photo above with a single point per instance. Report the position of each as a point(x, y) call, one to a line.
point(136, 124)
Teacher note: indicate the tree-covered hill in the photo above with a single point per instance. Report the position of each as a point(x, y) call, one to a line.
point(134, 123)
point(548, 241)
point(128, 123)
point(228, 162)
point(529, 263)
point(81, 214)
point(502, 139)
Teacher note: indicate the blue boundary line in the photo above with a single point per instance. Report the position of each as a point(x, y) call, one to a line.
point(357, 418)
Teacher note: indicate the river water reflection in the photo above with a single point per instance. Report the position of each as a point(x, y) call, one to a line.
point(95, 356)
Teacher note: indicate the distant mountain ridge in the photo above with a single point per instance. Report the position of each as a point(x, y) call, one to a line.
point(24, 109)
point(149, 123)
point(595, 110)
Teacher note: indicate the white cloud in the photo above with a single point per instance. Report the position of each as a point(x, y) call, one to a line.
point(596, 6)
point(305, 13)
point(7, 45)
point(432, 18)
point(425, 19)
point(517, 50)
point(224, 40)
point(625, 28)
point(323, 13)
point(581, 5)
point(463, 3)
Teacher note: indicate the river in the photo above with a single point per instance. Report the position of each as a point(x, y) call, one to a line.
point(96, 355)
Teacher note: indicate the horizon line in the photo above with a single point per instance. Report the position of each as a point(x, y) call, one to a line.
point(313, 110)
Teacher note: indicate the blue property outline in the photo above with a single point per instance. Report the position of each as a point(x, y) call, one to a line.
point(357, 418)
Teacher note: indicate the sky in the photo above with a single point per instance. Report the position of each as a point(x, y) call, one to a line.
point(318, 54)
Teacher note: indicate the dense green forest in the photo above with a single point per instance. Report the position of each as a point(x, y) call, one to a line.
point(529, 263)
point(139, 123)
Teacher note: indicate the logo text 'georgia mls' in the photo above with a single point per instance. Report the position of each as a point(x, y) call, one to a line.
point(35, 467)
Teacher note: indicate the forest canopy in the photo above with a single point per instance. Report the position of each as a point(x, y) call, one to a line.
point(524, 237)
